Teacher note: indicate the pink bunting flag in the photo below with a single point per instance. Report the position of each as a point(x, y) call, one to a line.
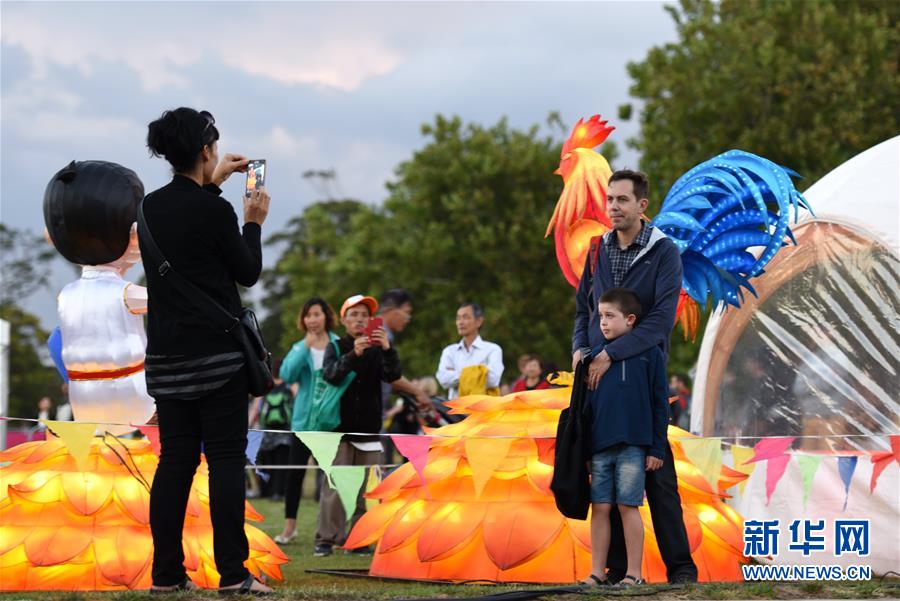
point(770, 448)
point(414, 448)
point(152, 434)
point(882, 460)
point(774, 471)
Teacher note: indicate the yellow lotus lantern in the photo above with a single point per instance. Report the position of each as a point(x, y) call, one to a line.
point(67, 528)
point(485, 511)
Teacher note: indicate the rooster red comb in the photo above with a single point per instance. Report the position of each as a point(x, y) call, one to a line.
point(587, 135)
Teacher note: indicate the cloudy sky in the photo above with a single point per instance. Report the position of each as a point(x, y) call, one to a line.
point(341, 86)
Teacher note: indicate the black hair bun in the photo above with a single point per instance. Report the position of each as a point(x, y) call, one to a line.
point(89, 207)
point(179, 135)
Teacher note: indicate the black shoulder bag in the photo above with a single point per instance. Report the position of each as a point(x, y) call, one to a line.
point(571, 479)
point(244, 328)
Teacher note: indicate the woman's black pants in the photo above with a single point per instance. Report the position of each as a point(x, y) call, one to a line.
point(218, 421)
point(300, 455)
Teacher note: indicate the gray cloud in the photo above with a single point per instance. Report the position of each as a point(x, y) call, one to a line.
point(304, 85)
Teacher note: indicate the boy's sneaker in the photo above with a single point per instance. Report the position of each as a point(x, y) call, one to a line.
point(361, 551)
point(322, 551)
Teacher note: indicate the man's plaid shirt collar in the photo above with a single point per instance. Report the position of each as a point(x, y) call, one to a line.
point(612, 238)
point(620, 260)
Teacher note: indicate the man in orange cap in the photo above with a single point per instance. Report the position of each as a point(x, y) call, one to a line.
point(372, 359)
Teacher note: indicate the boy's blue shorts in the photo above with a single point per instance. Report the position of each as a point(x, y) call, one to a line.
point(617, 476)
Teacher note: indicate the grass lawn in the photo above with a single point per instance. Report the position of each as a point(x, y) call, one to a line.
point(301, 585)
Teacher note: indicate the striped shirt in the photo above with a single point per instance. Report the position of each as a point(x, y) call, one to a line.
point(190, 378)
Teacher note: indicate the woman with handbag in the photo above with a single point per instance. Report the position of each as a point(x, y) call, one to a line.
point(197, 370)
point(298, 369)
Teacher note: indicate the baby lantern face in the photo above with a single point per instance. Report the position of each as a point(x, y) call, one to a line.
point(613, 322)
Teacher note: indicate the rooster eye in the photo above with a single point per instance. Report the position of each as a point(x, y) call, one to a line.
point(567, 155)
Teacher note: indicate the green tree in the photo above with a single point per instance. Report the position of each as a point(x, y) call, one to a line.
point(24, 263)
point(25, 268)
point(464, 221)
point(29, 378)
point(318, 259)
point(805, 84)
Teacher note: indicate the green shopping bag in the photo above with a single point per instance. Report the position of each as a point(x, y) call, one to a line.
point(325, 404)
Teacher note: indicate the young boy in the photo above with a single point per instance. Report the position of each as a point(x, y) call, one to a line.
point(629, 417)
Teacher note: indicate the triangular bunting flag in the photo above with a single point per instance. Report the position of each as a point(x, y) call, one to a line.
point(846, 467)
point(254, 440)
point(741, 456)
point(76, 436)
point(775, 467)
point(483, 456)
point(372, 481)
point(767, 448)
point(348, 479)
point(706, 455)
point(152, 435)
point(323, 446)
point(414, 448)
point(808, 465)
point(882, 460)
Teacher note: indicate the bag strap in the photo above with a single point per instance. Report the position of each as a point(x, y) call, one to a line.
point(594, 253)
point(219, 314)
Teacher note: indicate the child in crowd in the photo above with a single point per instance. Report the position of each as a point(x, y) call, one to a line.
point(629, 419)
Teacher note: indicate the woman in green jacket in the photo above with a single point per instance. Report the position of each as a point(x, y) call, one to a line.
point(304, 359)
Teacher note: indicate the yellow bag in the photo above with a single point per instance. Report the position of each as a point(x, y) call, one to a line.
point(473, 380)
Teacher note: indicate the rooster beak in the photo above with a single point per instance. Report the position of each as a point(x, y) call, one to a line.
point(557, 172)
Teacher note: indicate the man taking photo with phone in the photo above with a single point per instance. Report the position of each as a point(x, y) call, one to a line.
point(373, 360)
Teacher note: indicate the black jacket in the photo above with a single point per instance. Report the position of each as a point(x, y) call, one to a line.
point(361, 403)
point(197, 231)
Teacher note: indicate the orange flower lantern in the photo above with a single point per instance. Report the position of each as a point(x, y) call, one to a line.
point(63, 528)
point(485, 510)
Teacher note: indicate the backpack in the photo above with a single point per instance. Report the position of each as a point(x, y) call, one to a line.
point(325, 401)
point(277, 409)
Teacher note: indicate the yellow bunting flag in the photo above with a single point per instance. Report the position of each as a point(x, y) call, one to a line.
point(372, 482)
point(741, 455)
point(706, 454)
point(323, 446)
point(484, 456)
point(348, 479)
point(76, 436)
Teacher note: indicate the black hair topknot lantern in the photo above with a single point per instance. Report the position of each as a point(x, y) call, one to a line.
point(89, 207)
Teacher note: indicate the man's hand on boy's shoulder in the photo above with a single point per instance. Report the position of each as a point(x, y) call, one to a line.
point(599, 366)
point(653, 463)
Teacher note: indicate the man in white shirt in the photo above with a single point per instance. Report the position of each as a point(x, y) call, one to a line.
point(471, 350)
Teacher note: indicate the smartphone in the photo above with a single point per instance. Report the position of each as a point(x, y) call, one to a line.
point(374, 324)
point(256, 175)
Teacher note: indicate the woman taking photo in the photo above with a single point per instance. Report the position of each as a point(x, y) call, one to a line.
point(305, 357)
point(195, 370)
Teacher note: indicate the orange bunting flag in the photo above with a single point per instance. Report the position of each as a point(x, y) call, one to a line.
point(484, 456)
point(76, 436)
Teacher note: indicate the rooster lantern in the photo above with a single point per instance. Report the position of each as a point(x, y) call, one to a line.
point(718, 214)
